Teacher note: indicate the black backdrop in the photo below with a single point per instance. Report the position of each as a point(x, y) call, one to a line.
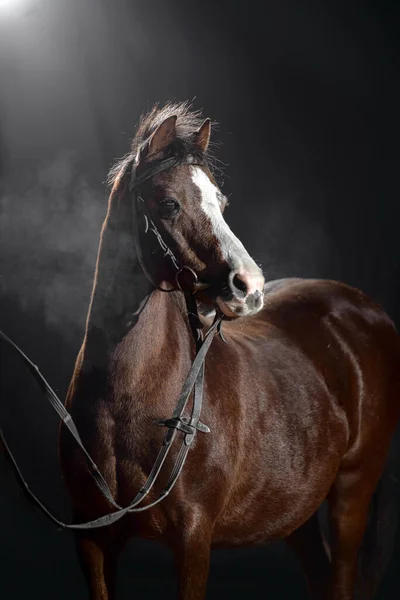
point(307, 97)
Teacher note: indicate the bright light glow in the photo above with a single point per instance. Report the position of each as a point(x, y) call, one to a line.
point(12, 6)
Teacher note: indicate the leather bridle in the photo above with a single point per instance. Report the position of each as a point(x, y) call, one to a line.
point(187, 425)
point(139, 210)
point(185, 277)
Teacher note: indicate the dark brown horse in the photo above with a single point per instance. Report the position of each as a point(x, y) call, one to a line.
point(302, 400)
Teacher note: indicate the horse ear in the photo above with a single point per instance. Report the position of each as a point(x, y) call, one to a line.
point(163, 136)
point(203, 136)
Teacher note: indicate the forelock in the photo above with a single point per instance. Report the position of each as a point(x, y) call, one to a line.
point(187, 124)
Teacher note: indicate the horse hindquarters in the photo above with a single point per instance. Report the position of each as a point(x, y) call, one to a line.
point(362, 516)
point(360, 498)
point(349, 501)
point(357, 502)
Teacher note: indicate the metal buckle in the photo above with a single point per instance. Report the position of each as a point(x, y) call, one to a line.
point(182, 424)
point(194, 285)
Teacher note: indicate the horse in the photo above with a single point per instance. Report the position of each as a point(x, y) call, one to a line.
point(301, 389)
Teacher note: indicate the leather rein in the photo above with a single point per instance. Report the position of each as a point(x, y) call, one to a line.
point(194, 382)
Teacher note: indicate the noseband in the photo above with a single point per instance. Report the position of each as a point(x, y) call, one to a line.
point(187, 425)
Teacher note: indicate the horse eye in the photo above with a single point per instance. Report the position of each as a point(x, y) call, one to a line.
point(168, 208)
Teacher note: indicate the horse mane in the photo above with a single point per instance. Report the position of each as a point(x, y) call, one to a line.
point(187, 123)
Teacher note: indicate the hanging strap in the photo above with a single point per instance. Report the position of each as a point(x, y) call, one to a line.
point(177, 422)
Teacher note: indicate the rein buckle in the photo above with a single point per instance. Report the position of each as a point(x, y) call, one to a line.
point(182, 424)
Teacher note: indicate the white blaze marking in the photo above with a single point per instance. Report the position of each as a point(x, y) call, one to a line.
point(231, 247)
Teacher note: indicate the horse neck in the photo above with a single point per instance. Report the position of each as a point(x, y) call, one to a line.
point(124, 310)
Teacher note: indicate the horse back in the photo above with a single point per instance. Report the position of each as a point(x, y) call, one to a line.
point(346, 338)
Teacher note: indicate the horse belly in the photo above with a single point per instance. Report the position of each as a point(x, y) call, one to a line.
point(282, 487)
point(271, 514)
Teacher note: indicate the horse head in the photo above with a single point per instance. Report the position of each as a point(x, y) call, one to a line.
point(177, 197)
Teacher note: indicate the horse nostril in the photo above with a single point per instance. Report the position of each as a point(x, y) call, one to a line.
point(246, 283)
point(239, 284)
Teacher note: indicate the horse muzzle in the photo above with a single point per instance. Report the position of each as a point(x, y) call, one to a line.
point(251, 304)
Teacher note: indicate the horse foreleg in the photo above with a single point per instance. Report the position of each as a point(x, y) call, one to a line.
point(309, 546)
point(192, 559)
point(99, 564)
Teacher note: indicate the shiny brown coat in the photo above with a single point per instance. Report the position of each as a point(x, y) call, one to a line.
point(302, 402)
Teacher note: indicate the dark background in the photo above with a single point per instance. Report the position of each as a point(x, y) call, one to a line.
point(307, 97)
